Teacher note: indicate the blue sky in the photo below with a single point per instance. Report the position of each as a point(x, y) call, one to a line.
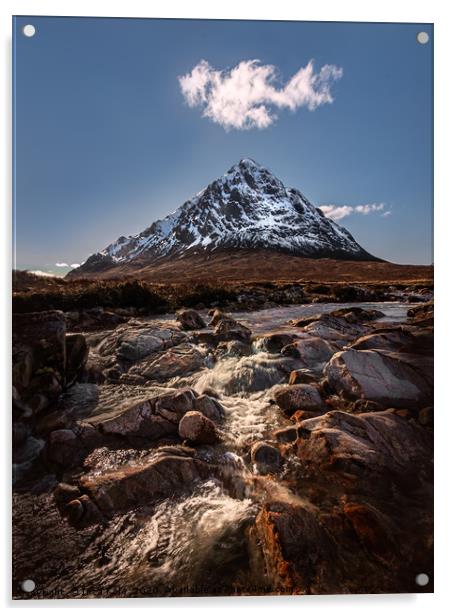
point(105, 141)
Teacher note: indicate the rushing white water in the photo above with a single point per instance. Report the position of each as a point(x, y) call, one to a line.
point(196, 543)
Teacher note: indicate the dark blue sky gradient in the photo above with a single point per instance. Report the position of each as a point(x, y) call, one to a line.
point(105, 143)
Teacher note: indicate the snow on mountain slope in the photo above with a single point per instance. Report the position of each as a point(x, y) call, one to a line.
point(248, 207)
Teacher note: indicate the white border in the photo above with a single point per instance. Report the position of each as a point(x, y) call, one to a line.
point(433, 11)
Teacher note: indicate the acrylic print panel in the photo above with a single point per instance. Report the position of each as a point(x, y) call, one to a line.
point(222, 309)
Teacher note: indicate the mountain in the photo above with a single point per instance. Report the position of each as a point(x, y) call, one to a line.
point(246, 208)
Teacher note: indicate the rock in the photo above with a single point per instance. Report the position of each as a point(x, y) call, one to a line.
point(76, 356)
point(197, 428)
point(179, 401)
point(311, 350)
point(65, 493)
point(227, 328)
point(38, 344)
point(275, 341)
point(234, 348)
point(286, 435)
point(190, 319)
point(422, 316)
point(303, 375)
point(69, 447)
point(355, 314)
point(135, 345)
point(290, 398)
point(181, 360)
point(74, 511)
point(265, 457)
point(91, 513)
point(374, 443)
point(165, 472)
point(392, 379)
point(396, 339)
point(139, 419)
point(210, 407)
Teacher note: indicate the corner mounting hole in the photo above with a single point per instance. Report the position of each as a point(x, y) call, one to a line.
point(29, 30)
point(28, 585)
point(422, 579)
point(422, 38)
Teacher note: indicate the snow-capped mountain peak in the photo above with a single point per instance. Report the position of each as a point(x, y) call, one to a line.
point(247, 207)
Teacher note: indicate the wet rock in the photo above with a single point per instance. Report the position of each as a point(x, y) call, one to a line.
point(69, 447)
point(65, 493)
point(179, 401)
point(234, 348)
point(210, 407)
point(38, 343)
point(303, 375)
point(136, 420)
point(355, 314)
point(396, 339)
point(290, 398)
point(76, 356)
point(311, 350)
point(286, 435)
point(392, 379)
point(190, 319)
point(422, 316)
point(74, 511)
point(161, 475)
point(91, 513)
point(197, 428)
point(373, 443)
point(181, 360)
point(275, 341)
point(265, 457)
point(227, 328)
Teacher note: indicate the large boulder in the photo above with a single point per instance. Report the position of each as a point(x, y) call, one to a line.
point(189, 319)
point(375, 443)
point(197, 428)
point(394, 379)
point(39, 346)
point(180, 360)
point(291, 398)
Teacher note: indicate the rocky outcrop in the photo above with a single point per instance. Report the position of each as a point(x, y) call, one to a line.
point(226, 328)
point(394, 379)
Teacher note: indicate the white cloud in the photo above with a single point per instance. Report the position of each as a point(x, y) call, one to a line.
point(369, 208)
point(247, 95)
point(75, 264)
point(337, 212)
point(61, 265)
